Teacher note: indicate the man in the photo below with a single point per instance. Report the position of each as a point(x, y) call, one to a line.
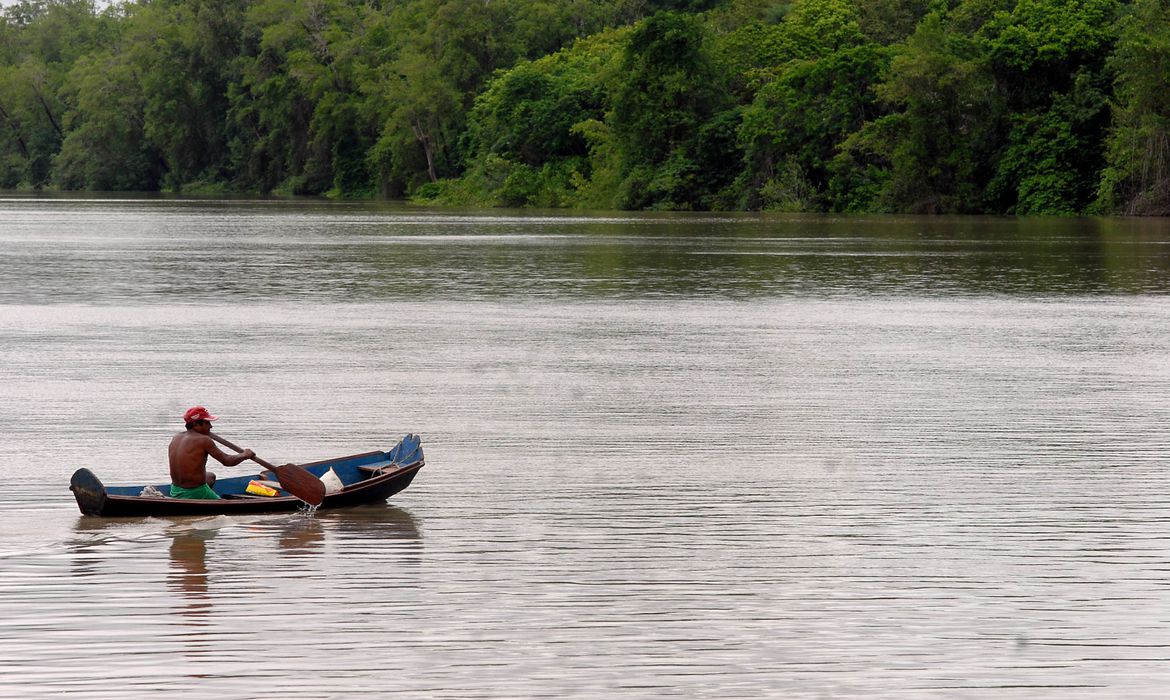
point(188, 455)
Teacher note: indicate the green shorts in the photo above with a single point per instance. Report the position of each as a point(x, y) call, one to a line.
point(202, 491)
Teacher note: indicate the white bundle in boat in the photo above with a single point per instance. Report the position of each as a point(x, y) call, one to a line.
point(332, 481)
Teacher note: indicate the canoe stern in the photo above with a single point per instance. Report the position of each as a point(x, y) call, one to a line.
point(89, 491)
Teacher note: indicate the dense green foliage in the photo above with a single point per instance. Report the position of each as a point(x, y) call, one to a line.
point(961, 106)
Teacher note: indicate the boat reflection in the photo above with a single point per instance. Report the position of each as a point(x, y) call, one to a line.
point(188, 572)
point(356, 533)
point(300, 535)
point(380, 521)
point(91, 535)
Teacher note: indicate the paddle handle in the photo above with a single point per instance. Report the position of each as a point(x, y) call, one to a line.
point(257, 460)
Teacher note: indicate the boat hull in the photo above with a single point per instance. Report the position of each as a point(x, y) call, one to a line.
point(367, 478)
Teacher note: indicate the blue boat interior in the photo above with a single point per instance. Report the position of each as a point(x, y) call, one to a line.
point(350, 470)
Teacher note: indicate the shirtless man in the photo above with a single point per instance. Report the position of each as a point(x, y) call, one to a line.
point(188, 456)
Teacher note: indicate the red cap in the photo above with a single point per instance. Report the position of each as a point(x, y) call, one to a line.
point(197, 413)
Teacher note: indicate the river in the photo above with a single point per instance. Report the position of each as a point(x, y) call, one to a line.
point(668, 455)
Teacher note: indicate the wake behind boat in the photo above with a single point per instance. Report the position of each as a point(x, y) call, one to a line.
point(365, 478)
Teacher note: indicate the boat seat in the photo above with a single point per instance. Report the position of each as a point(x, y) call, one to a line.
point(378, 468)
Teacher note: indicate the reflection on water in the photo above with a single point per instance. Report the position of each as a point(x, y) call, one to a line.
point(204, 549)
point(373, 521)
point(139, 252)
point(188, 555)
point(301, 537)
point(668, 455)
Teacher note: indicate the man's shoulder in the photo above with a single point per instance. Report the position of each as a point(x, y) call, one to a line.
point(194, 438)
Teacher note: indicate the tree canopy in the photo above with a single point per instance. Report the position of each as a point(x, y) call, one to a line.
point(968, 106)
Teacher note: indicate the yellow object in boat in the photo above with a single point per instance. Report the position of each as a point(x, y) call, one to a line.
point(258, 489)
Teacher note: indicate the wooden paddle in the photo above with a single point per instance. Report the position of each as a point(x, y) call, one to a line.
point(294, 479)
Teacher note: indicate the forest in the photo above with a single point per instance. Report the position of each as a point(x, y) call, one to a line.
point(883, 106)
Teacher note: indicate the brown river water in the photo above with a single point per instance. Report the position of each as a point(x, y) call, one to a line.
point(698, 456)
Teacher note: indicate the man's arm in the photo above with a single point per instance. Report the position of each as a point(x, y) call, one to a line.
point(226, 459)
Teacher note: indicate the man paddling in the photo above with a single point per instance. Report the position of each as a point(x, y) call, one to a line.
point(188, 456)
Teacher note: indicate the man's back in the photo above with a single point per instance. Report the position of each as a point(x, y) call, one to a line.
point(188, 457)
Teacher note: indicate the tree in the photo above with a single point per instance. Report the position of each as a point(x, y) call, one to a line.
point(820, 92)
point(1053, 157)
point(1137, 177)
point(39, 43)
point(1037, 48)
point(106, 146)
point(936, 142)
point(792, 130)
point(668, 90)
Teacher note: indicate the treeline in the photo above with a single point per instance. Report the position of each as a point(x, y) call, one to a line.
point(921, 106)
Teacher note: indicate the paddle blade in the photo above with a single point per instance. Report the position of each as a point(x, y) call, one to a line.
point(300, 483)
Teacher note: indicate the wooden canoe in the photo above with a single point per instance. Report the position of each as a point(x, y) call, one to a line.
point(366, 478)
